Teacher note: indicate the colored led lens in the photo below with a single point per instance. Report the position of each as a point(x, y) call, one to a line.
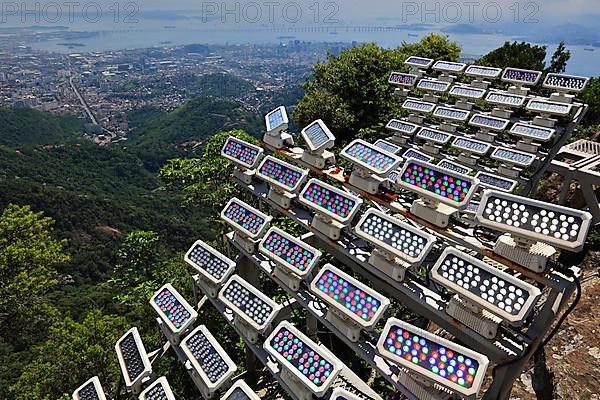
point(244, 218)
point(451, 113)
point(496, 182)
point(519, 75)
point(250, 304)
point(280, 173)
point(416, 105)
point(436, 182)
point(513, 156)
point(172, 308)
point(371, 156)
point(489, 122)
point(416, 155)
point(240, 151)
point(288, 251)
point(209, 359)
point(398, 78)
point(329, 200)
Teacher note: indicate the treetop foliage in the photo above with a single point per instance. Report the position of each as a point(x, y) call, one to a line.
point(527, 56)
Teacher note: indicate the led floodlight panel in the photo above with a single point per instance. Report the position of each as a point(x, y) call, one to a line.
point(412, 153)
point(330, 201)
point(448, 66)
point(387, 146)
point(559, 226)
point(290, 252)
point(496, 182)
point(277, 120)
point(418, 106)
point(569, 83)
point(534, 132)
point(546, 106)
point(433, 85)
point(434, 135)
point(341, 394)
point(242, 153)
point(245, 218)
point(370, 157)
point(478, 71)
point(451, 365)
point(492, 289)
point(513, 156)
point(419, 62)
point(402, 79)
point(522, 76)
point(280, 174)
point(461, 169)
point(208, 358)
point(132, 356)
point(363, 305)
point(471, 145)
point(467, 92)
point(318, 136)
point(315, 366)
point(240, 391)
point(472, 207)
point(451, 113)
point(505, 99)
point(159, 390)
point(393, 176)
point(209, 262)
point(440, 184)
point(173, 309)
point(489, 122)
point(396, 125)
point(90, 390)
point(394, 236)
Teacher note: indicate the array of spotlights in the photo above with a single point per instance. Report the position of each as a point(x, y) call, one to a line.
point(330, 201)
point(242, 153)
point(489, 122)
point(396, 125)
point(455, 167)
point(387, 146)
point(433, 85)
point(512, 156)
point(317, 136)
point(434, 135)
point(521, 76)
point(471, 145)
point(173, 309)
point(467, 92)
point(417, 155)
point(532, 132)
point(569, 83)
point(159, 390)
point(240, 391)
point(496, 182)
point(133, 359)
point(281, 174)
point(210, 263)
point(451, 113)
point(453, 366)
point(448, 66)
point(402, 79)
point(245, 219)
point(478, 71)
point(293, 254)
point(90, 390)
point(368, 156)
point(548, 107)
point(419, 62)
point(277, 120)
point(418, 106)
point(505, 99)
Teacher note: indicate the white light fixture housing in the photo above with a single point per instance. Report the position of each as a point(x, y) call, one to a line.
point(521, 77)
point(254, 312)
point(449, 66)
point(480, 74)
point(402, 79)
point(352, 305)
point(387, 146)
point(467, 92)
point(505, 99)
point(547, 107)
point(294, 260)
point(418, 106)
point(159, 390)
point(248, 222)
point(442, 192)
point(513, 157)
point(402, 127)
point(481, 286)
point(173, 310)
point(277, 122)
point(343, 394)
point(471, 149)
point(496, 182)
point(319, 139)
point(489, 122)
point(211, 366)
point(399, 335)
point(419, 62)
point(534, 227)
point(452, 114)
point(133, 359)
point(294, 371)
point(398, 245)
point(90, 390)
point(245, 157)
point(452, 166)
point(284, 180)
point(240, 391)
point(531, 133)
point(372, 165)
point(433, 85)
point(416, 154)
point(434, 137)
point(566, 83)
point(213, 267)
point(334, 208)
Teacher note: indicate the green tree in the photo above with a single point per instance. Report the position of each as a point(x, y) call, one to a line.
point(527, 56)
point(560, 58)
point(591, 96)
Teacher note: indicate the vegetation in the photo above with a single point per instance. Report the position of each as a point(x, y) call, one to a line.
point(223, 85)
point(527, 56)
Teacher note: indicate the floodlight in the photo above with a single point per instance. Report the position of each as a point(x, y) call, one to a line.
point(393, 176)
point(402, 79)
point(505, 99)
point(240, 391)
point(277, 124)
point(303, 364)
point(396, 125)
point(545, 106)
point(133, 359)
point(387, 146)
point(398, 245)
point(294, 259)
point(472, 146)
point(532, 132)
point(433, 85)
point(254, 312)
point(418, 106)
point(448, 66)
point(245, 157)
point(442, 192)
point(511, 156)
point(334, 208)
point(90, 390)
point(318, 138)
point(211, 366)
point(521, 76)
point(450, 113)
point(353, 306)
point(419, 62)
point(284, 179)
point(434, 135)
point(412, 153)
point(248, 222)
point(342, 394)
point(467, 92)
point(439, 360)
point(372, 165)
point(174, 311)
point(214, 268)
point(455, 167)
point(566, 83)
point(159, 390)
point(532, 223)
point(488, 122)
point(483, 287)
point(478, 71)
point(496, 182)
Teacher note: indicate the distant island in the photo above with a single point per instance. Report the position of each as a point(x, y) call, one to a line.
point(71, 45)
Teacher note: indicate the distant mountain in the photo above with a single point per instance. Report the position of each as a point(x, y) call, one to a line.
point(465, 29)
